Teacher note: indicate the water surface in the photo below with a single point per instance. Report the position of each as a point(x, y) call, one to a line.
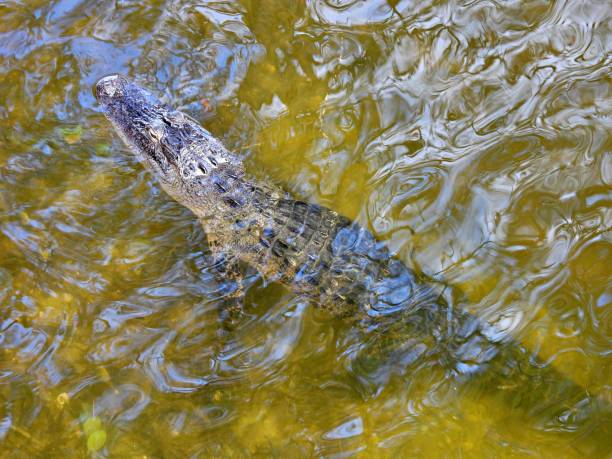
point(472, 136)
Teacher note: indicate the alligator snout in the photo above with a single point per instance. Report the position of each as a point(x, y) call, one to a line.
point(109, 86)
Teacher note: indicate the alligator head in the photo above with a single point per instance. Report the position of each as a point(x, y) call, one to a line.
point(183, 155)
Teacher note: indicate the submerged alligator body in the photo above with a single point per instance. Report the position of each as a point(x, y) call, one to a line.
point(313, 250)
point(335, 263)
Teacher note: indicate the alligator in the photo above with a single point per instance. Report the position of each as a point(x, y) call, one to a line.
point(335, 263)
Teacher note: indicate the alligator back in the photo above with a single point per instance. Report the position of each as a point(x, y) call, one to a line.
point(318, 253)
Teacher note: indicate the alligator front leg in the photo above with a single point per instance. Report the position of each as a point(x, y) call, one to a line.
point(231, 275)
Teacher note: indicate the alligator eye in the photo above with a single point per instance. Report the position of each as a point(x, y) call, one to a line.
point(165, 118)
point(154, 133)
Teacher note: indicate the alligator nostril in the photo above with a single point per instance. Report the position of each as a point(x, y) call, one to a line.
point(108, 86)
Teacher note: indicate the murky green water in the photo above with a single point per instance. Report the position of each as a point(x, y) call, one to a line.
point(473, 136)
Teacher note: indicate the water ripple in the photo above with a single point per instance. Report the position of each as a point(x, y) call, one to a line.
point(473, 137)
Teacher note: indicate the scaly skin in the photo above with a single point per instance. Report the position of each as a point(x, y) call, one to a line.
point(311, 249)
point(323, 256)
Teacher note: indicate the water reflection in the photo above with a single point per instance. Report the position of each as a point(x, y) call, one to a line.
point(473, 137)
